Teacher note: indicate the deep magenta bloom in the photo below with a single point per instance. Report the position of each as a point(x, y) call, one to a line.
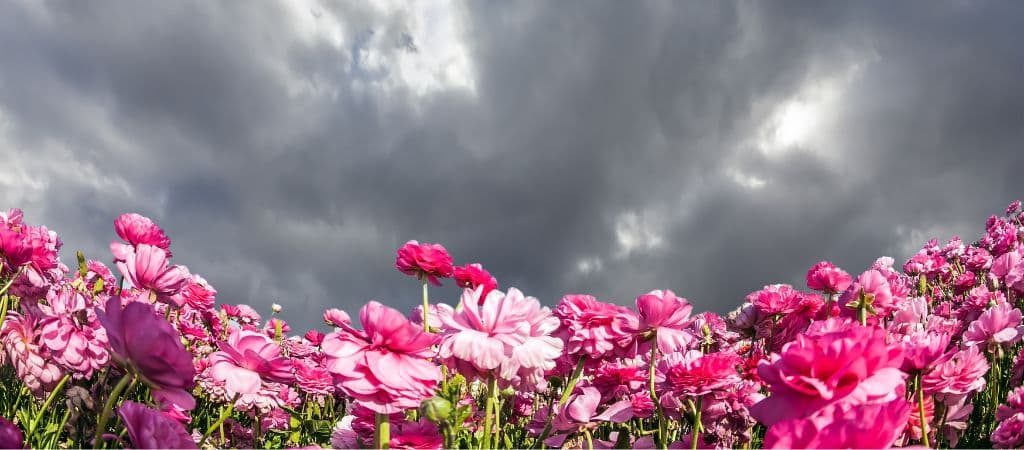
point(10, 435)
point(826, 277)
point(923, 349)
point(148, 270)
point(385, 367)
point(833, 363)
point(246, 359)
point(144, 343)
point(430, 261)
point(472, 276)
point(149, 428)
point(508, 336)
point(663, 316)
point(588, 326)
point(136, 229)
point(844, 426)
point(776, 299)
point(870, 289)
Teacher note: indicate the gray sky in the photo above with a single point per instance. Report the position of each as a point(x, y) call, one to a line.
point(611, 148)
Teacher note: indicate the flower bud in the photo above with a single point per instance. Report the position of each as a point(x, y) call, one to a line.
point(436, 409)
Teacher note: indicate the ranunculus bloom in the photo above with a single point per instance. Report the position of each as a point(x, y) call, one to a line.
point(998, 326)
point(136, 229)
point(149, 428)
point(148, 270)
point(10, 435)
point(620, 378)
point(923, 349)
point(588, 326)
point(508, 336)
point(1009, 267)
point(472, 276)
point(313, 379)
point(337, 318)
point(776, 299)
point(663, 316)
point(963, 373)
point(246, 359)
point(196, 292)
point(826, 277)
point(146, 344)
point(32, 363)
point(580, 412)
point(843, 426)
point(693, 374)
point(430, 261)
point(73, 334)
point(872, 290)
point(1010, 431)
point(832, 363)
point(385, 367)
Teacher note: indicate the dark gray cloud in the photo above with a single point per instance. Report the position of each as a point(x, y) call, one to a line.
point(609, 148)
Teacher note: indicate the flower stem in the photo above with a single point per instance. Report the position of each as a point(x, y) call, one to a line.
point(862, 315)
point(920, 410)
point(220, 421)
point(492, 385)
point(569, 386)
point(426, 308)
point(382, 431)
point(662, 442)
point(696, 424)
point(101, 425)
point(46, 405)
point(590, 439)
point(11, 281)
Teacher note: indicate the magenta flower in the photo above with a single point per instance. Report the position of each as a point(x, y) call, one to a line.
point(136, 229)
point(870, 291)
point(472, 276)
point(147, 269)
point(314, 379)
point(196, 292)
point(998, 326)
point(144, 343)
point(73, 334)
point(1009, 267)
point(1010, 431)
point(31, 360)
point(826, 277)
point(834, 363)
point(149, 428)
point(385, 366)
point(430, 261)
point(246, 359)
point(776, 299)
point(692, 374)
point(620, 378)
point(923, 349)
point(662, 316)
point(10, 435)
point(843, 426)
point(508, 336)
point(588, 326)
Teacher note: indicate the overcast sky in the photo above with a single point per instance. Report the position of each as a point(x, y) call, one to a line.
point(288, 148)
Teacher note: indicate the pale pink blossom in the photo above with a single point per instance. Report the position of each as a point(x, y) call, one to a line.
point(962, 373)
point(32, 363)
point(148, 270)
point(246, 359)
point(999, 326)
point(73, 334)
point(661, 316)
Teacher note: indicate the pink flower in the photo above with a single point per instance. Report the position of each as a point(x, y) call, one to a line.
point(998, 326)
point(313, 379)
point(73, 334)
point(429, 261)
point(385, 366)
point(508, 336)
point(148, 270)
point(144, 343)
point(196, 292)
point(136, 230)
point(922, 349)
point(580, 412)
point(692, 374)
point(1009, 267)
point(776, 299)
point(246, 359)
point(961, 374)
point(871, 291)
point(826, 277)
point(149, 428)
point(32, 363)
point(621, 378)
point(1010, 431)
point(844, 426)
point(663, 316)
point(10, 435)
point(472, 276)
point(834, 362)
point(588, 326)
point(337, 318)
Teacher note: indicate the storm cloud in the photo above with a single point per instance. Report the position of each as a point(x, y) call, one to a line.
point(608, 148)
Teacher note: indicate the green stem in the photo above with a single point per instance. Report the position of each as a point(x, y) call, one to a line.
point(426, 308)
point(46, 405)
point(492, 385)
point(920, 410)
point(7, 285)
point(497, 417)
point(654, 396)
point(382, 432)
point(101, 425)
point(862, 315)
point(220, 421)
point(590, 439)
point(569, 386)
point(696, 424)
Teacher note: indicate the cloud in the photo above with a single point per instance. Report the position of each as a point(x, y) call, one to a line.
point(289, 148)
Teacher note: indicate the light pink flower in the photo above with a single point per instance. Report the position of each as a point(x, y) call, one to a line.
point(337, 318)
point(73, 334)
point(1010, 431)
point(508, 336)
point(580, 412)
point(843, 426)
point(998, 326)
point(826, 277)
point(961, 374)
point(246, 359)
point(1009, 267)
point(471, 276)
point(149, 428)
point(662, 316)
point(147, 269)
point(385, 367)
point(32, 363)
point(588, 326)
point(430, 261)
point(832, 363)
point(923, 349)
point(871, 289)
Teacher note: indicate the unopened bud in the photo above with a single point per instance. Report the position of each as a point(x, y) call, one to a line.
point(436, 409)
point(275, 308)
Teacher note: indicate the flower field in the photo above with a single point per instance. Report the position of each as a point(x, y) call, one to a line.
point(135, 351)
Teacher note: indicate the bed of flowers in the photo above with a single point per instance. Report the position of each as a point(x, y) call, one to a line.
point(138, 353)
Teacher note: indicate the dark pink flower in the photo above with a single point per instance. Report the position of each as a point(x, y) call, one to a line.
point(144, 343)
point(692, 374)
point(580, 412)
point(843, 426)
point(471, 276)
point(10, 435)
point(246, 359)
point(1010, 415)
point(923, 349)
point(385, 367)
point(430, 261)
point(775, 299)
point(870, 291)
point(588, 326)
point(826, 277)
point(196, 293)
point(147, 269)
point(149, 428)
point(136, 229)
point(314, 379)
point(662, 316)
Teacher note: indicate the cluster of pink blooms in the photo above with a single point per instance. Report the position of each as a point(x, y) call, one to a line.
point(928, 354)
